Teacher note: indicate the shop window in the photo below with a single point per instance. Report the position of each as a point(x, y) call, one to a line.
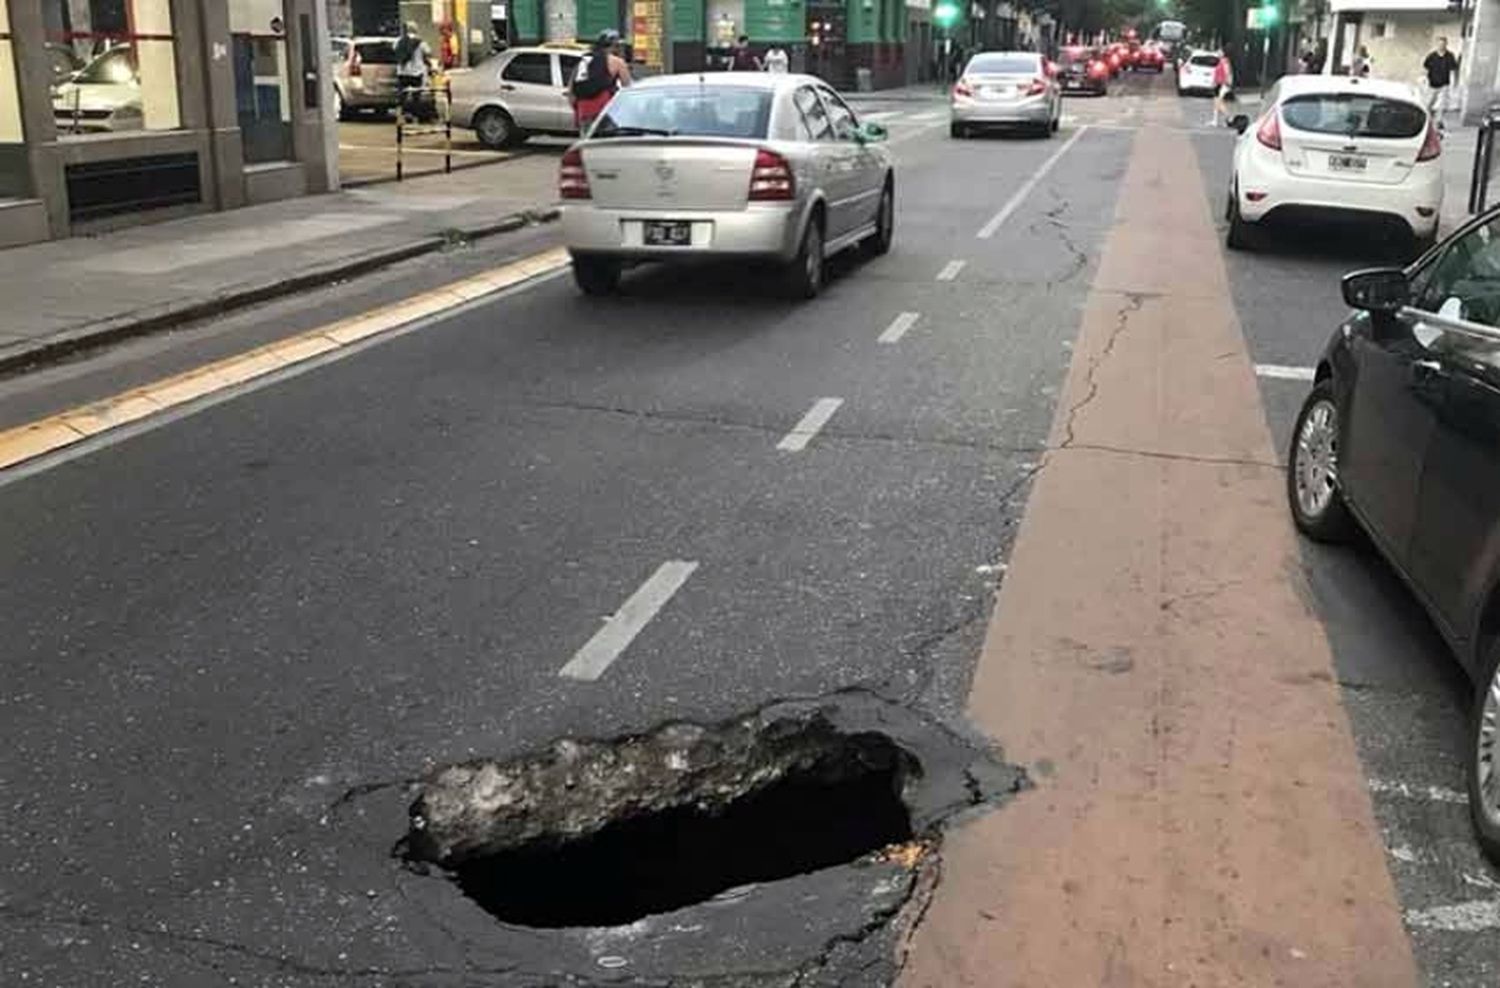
point(114, 65)
point(10, 97)
point(262, 96)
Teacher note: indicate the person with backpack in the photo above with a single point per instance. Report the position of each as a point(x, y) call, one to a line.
point(413, 59)
point(600, 76)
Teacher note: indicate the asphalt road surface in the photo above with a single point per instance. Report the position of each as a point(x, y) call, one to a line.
point(231, 640)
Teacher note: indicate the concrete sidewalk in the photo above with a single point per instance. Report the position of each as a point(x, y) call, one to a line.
point(68, 294)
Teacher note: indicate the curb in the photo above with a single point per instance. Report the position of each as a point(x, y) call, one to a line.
point(100, 332)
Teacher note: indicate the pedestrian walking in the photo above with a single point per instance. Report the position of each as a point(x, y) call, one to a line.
point(1361, 66)
point(776, 60)
point(1223, 88)
point(1441, 66)
point(413, 62)
point(741, 59)
point(599, 77)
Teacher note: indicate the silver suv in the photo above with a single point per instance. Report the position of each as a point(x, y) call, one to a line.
point(516, 94)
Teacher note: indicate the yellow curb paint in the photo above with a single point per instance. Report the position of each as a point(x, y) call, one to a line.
point(35, 439)
point(59, 431)
point(93, 419)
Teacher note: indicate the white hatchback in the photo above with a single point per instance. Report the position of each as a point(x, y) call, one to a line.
point(1196, 72)
point(1329, 148)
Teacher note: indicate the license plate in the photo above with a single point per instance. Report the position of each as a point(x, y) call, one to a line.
point(668, 233)
point(1346, 163)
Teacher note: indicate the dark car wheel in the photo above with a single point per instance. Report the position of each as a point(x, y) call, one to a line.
point(596, 275)
point(495, 129)
point(879, 244)
point(1242, 234)
point(1483, 773)
point(1312, 479)
point(957, 131)
point(804, 276)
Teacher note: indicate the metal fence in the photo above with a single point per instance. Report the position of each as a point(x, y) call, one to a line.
point(425, 111)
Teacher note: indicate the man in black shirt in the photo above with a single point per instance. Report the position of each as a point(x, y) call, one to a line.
point(1441, 67)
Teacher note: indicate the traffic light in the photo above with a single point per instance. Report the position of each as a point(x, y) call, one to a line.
point(945, 14)
point(1269, 15)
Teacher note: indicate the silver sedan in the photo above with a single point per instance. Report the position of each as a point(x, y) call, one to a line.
point(726, 165)
point(1006, 88)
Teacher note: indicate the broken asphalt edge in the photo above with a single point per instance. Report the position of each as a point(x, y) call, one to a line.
point(34, 354)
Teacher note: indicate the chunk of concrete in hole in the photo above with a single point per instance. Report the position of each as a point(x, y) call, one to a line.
point(575, 787)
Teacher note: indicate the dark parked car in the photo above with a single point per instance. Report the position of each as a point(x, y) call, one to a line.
point(1082, 70)
point(1401, 436)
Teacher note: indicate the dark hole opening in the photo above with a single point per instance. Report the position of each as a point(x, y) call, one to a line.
point(825, 811)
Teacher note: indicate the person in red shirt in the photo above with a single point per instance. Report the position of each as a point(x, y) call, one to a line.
point(1223, 86)
point(600, 76)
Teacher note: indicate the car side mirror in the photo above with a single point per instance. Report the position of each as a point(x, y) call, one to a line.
point(870, 132)
point(1240, 123)
point(1376, 289)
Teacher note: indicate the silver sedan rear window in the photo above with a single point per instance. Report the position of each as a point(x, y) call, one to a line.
point(687, 111)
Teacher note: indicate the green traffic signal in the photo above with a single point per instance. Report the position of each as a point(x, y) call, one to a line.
point(1269, 14)
point(945, 14)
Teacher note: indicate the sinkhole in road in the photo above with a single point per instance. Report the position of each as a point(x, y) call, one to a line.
point(594, 832)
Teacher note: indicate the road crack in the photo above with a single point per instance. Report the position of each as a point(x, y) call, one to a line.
point(1133, 303)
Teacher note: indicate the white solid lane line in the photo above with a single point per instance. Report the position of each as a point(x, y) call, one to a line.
point(988, 230)
point(1409, 790)
point(898, 327)
point(1282, 372)
point(803, 432)
point(951, 270)
point(620, 629)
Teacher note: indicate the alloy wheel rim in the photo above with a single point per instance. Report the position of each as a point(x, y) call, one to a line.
point(1316, 462)
point(494, 129)
point(1484, 762)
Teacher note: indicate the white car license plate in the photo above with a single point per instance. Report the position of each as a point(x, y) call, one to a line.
point(668, 233)
point(1347, 163)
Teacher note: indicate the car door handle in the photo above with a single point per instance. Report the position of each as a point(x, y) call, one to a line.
point(507, 87)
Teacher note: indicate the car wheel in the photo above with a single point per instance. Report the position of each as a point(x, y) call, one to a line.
point(879, 243)
point(1312, 485)
point(340, 111)
point(1241, 234)
point(495, 129)
point(1483, 775)
point(957, 131)
point(804, 276)
point(1057, 121)
point(596, 275)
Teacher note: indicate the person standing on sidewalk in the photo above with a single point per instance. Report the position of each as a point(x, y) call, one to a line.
point(776, 60)
point(1223, 86)
point(413, 59)
point(1441, 67)
point(741, 58)
point(601, 75)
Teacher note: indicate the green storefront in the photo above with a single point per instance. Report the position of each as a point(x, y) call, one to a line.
point(831, 38)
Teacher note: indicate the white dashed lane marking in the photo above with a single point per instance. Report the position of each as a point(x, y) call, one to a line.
point(621, 628)
point(951, 270)
point(898, 327)
point(803, 432)
point(1282, 372)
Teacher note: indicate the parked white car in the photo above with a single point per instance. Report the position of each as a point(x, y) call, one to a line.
point(1195, 74)
point(1330, 148)
point(518, 93)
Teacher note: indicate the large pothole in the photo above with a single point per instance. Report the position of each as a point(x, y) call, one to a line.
point(602, 832)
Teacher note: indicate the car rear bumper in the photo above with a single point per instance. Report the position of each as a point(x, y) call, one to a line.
point(1415, 202)
point(1032, 109)
point(765, 230)
point(1083, 84)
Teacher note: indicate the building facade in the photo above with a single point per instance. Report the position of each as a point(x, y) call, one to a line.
point(121, 111)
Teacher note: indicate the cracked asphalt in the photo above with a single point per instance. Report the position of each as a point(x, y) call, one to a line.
point(232, 643)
